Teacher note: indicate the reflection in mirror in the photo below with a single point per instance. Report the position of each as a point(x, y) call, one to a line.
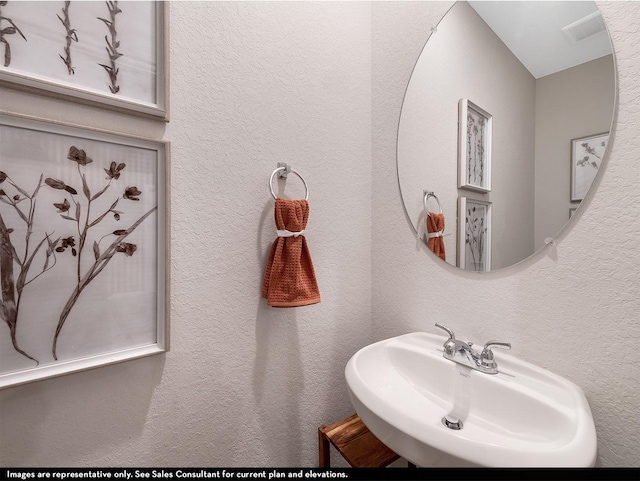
point(505, 121)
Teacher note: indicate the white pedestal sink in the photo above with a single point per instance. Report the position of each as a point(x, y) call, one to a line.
point(524, 416)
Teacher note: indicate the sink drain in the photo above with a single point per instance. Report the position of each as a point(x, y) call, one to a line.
point(452, 422)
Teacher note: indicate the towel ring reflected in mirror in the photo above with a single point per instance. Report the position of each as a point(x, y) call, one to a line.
point(286, 170)
point(425, 197)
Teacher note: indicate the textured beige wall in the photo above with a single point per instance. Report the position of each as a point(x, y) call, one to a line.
point(573, 308)
point(244, 385)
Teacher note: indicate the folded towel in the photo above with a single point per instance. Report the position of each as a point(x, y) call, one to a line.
point(435, 228)
point(289, 279)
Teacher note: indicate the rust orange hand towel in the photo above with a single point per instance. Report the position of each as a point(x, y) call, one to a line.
point(435, 224)
point(289, 279)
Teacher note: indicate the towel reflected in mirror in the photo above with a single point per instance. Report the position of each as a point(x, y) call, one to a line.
point(435, 233)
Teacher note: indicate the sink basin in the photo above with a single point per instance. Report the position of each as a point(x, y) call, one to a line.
point(523, 416)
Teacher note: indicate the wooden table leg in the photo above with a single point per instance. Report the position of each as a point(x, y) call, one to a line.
point(324, 454)
point(357, 445)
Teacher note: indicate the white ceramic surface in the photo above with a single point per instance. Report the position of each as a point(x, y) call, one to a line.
point(524, 416)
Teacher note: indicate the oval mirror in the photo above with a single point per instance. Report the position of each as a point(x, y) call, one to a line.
point(504, 126)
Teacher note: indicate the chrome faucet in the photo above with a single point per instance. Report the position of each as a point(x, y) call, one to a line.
point(463, 352)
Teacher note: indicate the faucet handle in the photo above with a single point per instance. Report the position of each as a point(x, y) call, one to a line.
point(506, 345)
point(450, 345)
point(447, 330)
point(486, 357)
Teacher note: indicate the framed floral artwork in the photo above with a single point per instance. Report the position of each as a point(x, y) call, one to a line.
point(474, 147)
point(108, 53)
point(586, 156)
point(83, 249)
point(474, 234)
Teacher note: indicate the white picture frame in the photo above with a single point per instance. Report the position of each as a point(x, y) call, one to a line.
point(474, 147)
point(109, 54)
point(84, 257)
point(586, 157)
point(474, 234)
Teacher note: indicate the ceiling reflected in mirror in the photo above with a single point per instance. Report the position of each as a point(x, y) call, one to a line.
point(547, 37)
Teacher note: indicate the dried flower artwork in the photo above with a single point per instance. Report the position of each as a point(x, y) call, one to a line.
point(474, 234)
point(72, 36)
point(112, 46)
point(474, 149)
point(79, 233)
point(587, 154)
point(24, 204)
point(589, 160)
point(6, 30)
point(110, 53)
point(475, 231)
point(83, 224)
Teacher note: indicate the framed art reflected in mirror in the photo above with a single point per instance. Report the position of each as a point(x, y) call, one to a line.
point(474, 148)
point(474, 234)
point(586, 157)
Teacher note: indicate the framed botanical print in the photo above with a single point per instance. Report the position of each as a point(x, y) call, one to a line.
point(108, 53)
point(83, 249)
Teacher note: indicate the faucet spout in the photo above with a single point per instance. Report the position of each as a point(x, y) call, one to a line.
point(463, 353)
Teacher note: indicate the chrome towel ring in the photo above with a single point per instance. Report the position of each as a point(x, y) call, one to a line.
point(426, 195)
point(284, 170)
